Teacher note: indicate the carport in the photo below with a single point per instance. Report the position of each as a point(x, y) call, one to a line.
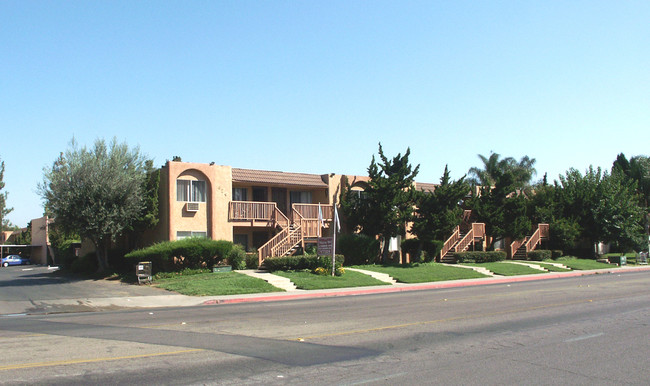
point(3, 246)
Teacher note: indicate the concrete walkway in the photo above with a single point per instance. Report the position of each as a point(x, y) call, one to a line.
point(377, 275)
point(275, 280)
point(531, 265)
point(477, 269)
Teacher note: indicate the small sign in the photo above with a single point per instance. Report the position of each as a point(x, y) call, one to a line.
point(325, 246)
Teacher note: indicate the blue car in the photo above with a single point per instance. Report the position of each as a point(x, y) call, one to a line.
point(14, 260)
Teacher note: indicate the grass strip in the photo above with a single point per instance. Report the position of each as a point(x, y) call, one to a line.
point(507, 269)
point(582, 264)
point(423, 273)
point(311, 281)
point(213, 284)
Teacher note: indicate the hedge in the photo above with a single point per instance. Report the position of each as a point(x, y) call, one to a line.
point(429, 251)
point(296, 263)
point(194, 252)
point(539, 255)
point(479, 256)
point(358, 249)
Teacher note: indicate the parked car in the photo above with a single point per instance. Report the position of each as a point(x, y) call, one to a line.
point(14, 260)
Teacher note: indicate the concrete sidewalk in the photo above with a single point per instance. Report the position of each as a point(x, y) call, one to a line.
point(176, 300)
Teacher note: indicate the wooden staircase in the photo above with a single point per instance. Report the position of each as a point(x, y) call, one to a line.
point(460, 240)
point(304, 225)
point(519, 248)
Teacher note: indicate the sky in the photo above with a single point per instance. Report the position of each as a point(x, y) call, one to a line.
point(315, 86)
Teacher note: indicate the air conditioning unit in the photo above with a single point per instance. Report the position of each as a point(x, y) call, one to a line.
point(192, 207)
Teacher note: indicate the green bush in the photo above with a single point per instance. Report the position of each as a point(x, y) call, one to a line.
point(539, 255)
point(411, 246)
point(556, 253)
point(297, 263)
point(85, 264)
point(237, 257)
point(358, 249)
point(172, 256)
point(480, 257)
point(428, 252)
point(252, 260)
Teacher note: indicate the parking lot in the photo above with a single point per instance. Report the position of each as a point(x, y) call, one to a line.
point(35, 289)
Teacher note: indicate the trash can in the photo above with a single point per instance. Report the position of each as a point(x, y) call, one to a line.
point(143, 271)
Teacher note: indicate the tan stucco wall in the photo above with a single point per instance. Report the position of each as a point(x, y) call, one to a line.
point(212, 216)
point(40, 240)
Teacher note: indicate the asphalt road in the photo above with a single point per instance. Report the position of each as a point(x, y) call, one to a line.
point(587, 330)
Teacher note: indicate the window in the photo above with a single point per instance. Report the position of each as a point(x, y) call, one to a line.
point(180, 235)
point(239, 194)
point(300, 197)
point(190, 191)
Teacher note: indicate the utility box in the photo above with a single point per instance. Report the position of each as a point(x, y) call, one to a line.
point(143, 271)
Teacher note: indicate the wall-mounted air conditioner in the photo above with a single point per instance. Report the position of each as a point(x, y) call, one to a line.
point(192, 207)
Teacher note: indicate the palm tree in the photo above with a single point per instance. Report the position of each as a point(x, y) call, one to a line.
point(493, 167)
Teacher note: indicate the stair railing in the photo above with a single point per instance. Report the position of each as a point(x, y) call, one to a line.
point(541, 231)
point(515, 245)
point(446, 247)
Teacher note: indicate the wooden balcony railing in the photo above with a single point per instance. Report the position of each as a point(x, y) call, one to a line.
point(310, 211)
point(251, 210)
point(478, 228)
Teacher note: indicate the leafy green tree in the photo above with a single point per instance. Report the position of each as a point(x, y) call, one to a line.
point(439, 212)
point(387, 202)
point(96, 193)
point(618, 213)
point(637, 169)
point(149, 218)
point(4, 210)
point(606, 207)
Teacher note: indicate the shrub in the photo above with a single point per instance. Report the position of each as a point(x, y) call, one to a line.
point(358, 249)
point(556, 253)
point(297, 263)
point(480, 257)
point(237, 257)
point(252, 260)
point(539, 255)
point(85, 264)
point(412, 246)
point(171, 256)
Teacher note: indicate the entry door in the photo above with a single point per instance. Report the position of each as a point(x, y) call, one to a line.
point(279, 196)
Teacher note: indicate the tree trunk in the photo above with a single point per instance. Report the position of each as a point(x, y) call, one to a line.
point(384, 253)
point(101, 250)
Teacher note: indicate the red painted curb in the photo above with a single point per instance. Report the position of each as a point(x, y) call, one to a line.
point(419, 287)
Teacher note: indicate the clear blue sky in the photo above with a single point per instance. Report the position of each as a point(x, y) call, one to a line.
point(312, 87)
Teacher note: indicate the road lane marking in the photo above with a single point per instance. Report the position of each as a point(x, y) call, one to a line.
point(583, 337)
point(78, 361)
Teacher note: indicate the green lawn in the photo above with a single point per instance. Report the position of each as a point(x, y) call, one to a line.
point(423, 273)
point(212, 284)
point(507, 269)
point(311, 281)
point(582, 264)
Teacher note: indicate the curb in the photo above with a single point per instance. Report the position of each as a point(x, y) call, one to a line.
point(418, 287)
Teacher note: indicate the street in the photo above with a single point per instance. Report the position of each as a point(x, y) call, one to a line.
point(585, 330)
